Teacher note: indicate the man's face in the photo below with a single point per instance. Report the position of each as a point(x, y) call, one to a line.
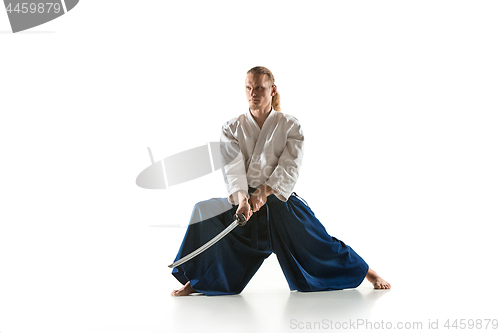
point(259, 91)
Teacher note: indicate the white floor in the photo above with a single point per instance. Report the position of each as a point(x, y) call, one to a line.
point(118, 281)
point(414, 302)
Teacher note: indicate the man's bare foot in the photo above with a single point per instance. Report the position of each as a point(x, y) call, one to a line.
point(184, 291)
point(376, 280)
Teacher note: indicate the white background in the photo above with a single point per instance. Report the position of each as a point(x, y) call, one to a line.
point(399, 103)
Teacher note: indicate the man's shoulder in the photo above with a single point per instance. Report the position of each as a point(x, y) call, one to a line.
point(234, 121)
point(281, 117)
point(287, 118)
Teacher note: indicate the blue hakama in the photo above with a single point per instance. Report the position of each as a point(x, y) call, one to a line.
point(310, 258)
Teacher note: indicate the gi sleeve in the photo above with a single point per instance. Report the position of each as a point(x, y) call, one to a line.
point(233, 165)
point(285, 175)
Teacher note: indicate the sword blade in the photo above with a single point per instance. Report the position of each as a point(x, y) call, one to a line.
point(206, 246)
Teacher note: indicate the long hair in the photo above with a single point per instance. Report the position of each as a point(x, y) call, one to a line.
point(275, 102)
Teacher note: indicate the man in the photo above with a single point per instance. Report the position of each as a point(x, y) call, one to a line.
point(260, 175)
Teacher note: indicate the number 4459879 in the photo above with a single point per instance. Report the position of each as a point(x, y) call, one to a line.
point(471, 324)
point(32, 8)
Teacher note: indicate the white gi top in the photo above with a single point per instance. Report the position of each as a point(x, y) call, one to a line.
point(253, 156)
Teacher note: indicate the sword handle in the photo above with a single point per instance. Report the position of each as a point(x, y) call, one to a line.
point(240, 218)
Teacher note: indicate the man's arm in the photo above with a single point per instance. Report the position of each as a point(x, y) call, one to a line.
point(233, 166)
point(282, 180)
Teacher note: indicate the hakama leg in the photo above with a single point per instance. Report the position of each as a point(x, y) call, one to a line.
point(227, 266)
point(310, 258)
